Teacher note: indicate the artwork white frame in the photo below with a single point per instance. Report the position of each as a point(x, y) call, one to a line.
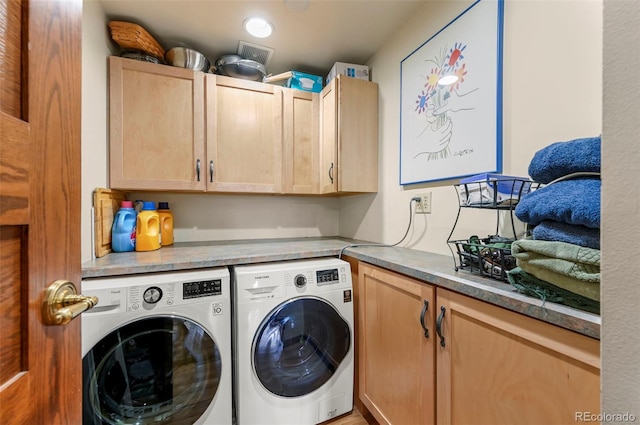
point(451, 131)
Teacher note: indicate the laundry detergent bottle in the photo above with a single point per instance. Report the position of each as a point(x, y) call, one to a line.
point(123, 231)
point(148, 228)
point(166, 223)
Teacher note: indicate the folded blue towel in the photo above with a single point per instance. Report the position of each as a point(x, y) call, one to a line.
point(562, 158)
point(561, 232)
point(574, 201)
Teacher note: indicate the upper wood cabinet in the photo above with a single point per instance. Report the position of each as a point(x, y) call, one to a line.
point(156, 128)
point(244, 135)
point(176, 129)
point(349, 136)
point(478, 364)
point(301, 149)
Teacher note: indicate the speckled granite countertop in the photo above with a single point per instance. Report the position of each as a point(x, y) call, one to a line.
point(431, 268)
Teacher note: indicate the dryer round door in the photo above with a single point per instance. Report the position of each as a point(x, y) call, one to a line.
point(153, 370)
point(299, 346)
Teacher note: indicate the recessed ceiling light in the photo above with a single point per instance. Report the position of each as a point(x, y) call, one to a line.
point(258, 27)
point(447, 80)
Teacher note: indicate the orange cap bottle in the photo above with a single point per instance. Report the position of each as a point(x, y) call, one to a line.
point(148, 228)
point(166, 223)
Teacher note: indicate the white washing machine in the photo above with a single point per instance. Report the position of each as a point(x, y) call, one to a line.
point(293, 327)
point(156, 349)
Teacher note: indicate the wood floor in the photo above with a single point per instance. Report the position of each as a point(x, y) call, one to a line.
point(353, 418)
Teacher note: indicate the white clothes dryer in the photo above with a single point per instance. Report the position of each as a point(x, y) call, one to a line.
point(293, 342)
point(157, 349)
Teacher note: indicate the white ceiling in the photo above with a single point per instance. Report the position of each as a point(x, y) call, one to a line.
point(312, 40)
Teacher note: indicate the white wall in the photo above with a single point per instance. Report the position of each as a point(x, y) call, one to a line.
point(552, 81)
point(225, 217)
point(620, 211)
point(95, 49)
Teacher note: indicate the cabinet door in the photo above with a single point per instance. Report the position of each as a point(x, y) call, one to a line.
point(301, 141)
point(349, 136)
point(244, 136)
point(156, 137)
point(501, 367)
point(357, 135)
point(329, 138)
point(396, 356)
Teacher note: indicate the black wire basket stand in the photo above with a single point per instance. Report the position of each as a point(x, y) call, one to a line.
point(491, 256)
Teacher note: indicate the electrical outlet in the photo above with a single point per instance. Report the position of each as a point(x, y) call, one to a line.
point(424, 205)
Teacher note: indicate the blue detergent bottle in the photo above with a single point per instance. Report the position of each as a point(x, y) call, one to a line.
point(123, 231)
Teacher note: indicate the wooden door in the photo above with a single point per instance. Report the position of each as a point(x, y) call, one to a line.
point(40, 366)
point(501, 367)
point(301, 142)
point(244, 136)
point(156, 126)
point(329, 138)
point(396, 353)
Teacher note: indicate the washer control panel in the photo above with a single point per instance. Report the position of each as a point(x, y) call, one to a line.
point(169, 294)
point(149, 296)
point(202, 288)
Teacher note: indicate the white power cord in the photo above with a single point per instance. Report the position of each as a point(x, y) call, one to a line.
point(414, 199)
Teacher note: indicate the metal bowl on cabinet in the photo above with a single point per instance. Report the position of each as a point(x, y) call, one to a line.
point(185, 57)
point(236, 66)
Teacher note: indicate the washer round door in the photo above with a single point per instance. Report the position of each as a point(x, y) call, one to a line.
point(299, 346)
point(154, 370)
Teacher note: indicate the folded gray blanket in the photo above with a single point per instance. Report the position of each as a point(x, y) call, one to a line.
point(574, 201)
point(562, 158)
point(565, 265)
point(530, 285)
point(549, 230)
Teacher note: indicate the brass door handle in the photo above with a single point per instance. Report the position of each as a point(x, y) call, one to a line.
point(61, 303)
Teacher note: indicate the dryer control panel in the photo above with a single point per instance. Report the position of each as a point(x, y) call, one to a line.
point(327, 277)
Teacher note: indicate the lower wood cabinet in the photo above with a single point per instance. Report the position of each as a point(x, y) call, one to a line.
point(396, 338)
point(500, 367)
point(481, 364)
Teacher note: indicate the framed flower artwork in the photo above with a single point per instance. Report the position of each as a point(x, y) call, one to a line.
point(451, 99)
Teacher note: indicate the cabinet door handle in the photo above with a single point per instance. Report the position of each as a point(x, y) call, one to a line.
point(197, 169)
point(423, 313)
point(211, 171)
point(439, 325)
point(331, 173)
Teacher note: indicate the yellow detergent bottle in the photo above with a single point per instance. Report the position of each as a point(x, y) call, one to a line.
point(166, 223)
point(148, 228)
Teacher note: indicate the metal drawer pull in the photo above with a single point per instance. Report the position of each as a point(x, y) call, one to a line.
point(439, 325)
point(211, 171)
point(198, 169)
point(423, 313)
point(331, 173)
